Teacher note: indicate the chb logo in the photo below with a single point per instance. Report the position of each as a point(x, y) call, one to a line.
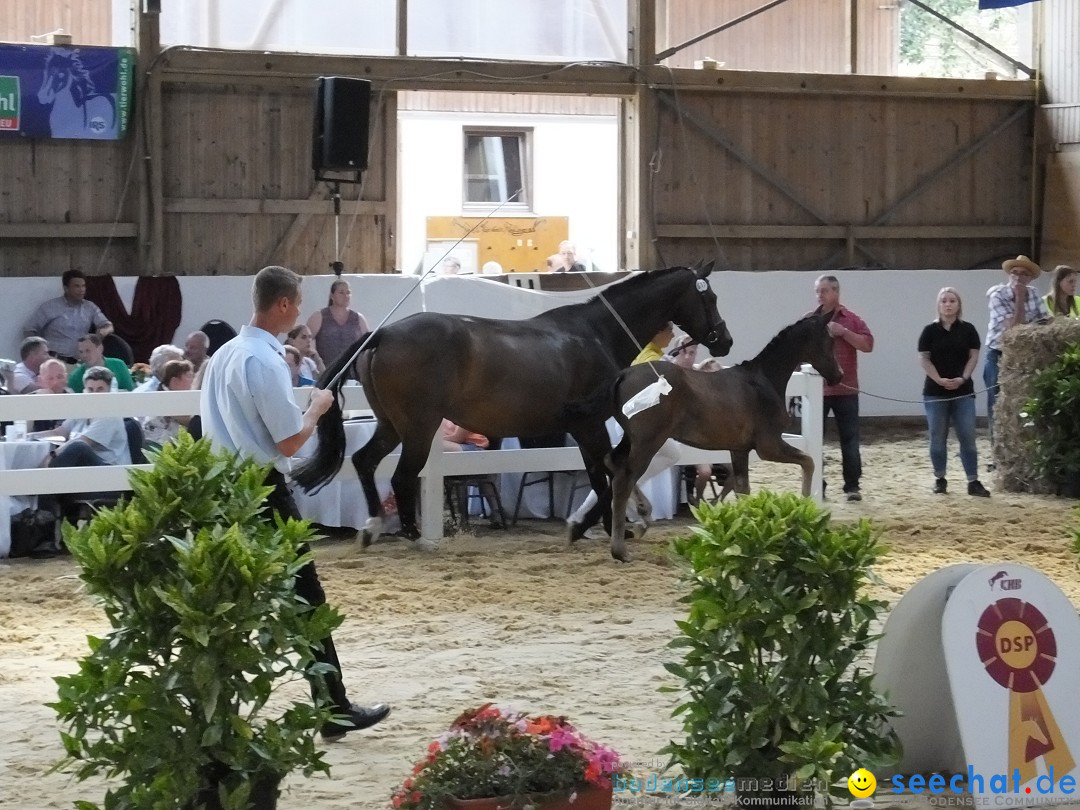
point(9, 102)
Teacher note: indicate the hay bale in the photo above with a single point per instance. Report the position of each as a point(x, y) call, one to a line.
point(1026, 350)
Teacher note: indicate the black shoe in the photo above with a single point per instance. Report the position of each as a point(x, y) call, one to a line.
point(977, 489)
point(941, 486)
point(854, 495)
point(358, 717)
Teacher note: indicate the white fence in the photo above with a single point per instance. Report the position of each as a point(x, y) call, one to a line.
point(805, 384)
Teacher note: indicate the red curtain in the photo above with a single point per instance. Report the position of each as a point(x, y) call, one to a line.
point(155, 311)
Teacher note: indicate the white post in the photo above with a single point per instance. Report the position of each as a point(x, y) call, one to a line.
point(431, 492)
point(813, 423)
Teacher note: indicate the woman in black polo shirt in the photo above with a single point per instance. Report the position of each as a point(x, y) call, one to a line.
point(949, 352)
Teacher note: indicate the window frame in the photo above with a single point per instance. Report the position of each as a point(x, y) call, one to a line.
point(523, 204)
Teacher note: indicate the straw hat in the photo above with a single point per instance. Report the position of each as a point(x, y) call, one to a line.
point(1022, 261)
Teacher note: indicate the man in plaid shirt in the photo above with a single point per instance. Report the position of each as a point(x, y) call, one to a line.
point(1012, 302)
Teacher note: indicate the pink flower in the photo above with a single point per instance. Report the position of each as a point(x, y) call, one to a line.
point(561, 738)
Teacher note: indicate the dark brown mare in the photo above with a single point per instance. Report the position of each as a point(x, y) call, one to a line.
point(739, 409)
point(503, 378)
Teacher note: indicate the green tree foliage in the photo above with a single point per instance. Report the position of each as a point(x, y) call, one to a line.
point(930, 47)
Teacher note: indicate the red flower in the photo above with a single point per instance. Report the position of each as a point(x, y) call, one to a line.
point(415, 797)
point(398, 800)
point(407, 784)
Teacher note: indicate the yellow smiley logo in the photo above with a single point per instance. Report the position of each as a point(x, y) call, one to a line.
point(862, 784)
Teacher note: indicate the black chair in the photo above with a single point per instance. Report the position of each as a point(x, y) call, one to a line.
point(547, 478)
point(456, 492)
point(115, 346)
point(219, 333)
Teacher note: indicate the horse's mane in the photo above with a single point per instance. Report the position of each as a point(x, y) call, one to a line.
point(82, 86)
point(782, 336)
point(631, 285)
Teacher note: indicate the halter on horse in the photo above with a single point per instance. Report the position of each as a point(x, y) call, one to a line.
point(738, 409)
point(502, 378)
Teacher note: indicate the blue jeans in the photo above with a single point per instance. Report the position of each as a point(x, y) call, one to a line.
point(846, 410)
point(990, 380)
point(940, 411)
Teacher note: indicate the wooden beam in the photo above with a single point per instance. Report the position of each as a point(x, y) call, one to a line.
point(181, 64)
point(673, 231)
point(68, 230)
point(313, 205)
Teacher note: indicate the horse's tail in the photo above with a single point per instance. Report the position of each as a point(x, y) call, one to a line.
point(314, 473)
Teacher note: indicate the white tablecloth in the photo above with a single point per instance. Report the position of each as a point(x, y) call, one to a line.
point(341, 502)
point(21, 455)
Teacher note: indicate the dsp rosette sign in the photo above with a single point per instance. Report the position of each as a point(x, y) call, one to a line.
point(1012, 652)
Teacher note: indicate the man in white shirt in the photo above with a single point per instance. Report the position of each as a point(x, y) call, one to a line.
point(97, 442)
point(32, 353)
point(247, 407)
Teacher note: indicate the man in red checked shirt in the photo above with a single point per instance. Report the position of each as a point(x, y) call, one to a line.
point(851, 336)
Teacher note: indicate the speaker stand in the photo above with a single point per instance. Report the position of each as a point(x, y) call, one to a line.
point(337, 265)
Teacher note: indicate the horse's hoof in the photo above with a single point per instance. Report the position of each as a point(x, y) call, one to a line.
point(366, 538)
point(408, 534)
point(574, 531)
point(621, 556)
point(636, 531)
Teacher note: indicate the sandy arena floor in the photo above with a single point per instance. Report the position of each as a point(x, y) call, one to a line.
point(512, 617)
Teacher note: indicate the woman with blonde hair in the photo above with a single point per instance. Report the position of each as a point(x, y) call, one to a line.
point(1062, 299)
point(948, 353)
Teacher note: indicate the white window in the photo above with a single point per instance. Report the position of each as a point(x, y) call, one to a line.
point(497, 169)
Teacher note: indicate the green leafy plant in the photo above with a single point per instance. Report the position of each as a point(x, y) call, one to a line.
point(1053, 414)
point(774, 669)
point(491, 752)
point(206, 626)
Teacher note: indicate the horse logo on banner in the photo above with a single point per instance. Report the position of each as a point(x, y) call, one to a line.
point(77, 109)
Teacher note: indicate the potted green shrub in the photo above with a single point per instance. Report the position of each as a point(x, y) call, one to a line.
point(206, 626)
point(1053, 414)
point(775, 676)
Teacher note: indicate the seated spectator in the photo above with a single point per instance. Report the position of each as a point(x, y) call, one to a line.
point(492, 268)
point(456, 438)
point(158, 358)
point(196, 348)
point(32, 353)
point(51, 380)
point(96, 442)
point(311, 363)
point(451, 266)
point(62, 321)
point(567, 259)
point(177, 376)
point(91, 355)
point(293, 360)
point(654, 349)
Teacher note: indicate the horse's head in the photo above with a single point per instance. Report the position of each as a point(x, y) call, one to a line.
point(698, 315)
point(58, 76)
point(819, 349)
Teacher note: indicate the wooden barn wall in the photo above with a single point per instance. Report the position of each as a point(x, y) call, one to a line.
point(240, 191)
point(495, 103)
point(798, 36)
point(848, 159)
point(88, 21)
point(1060, 63)
point(81, 191)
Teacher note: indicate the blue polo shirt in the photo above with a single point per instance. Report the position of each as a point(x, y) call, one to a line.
point(247, 401)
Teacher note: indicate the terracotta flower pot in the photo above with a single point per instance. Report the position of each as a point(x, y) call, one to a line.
point(587, 798)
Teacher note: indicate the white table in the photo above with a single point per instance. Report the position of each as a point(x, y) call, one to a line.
point(20, 455)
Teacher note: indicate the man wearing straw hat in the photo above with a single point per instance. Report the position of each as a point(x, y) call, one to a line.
point(1012, 302)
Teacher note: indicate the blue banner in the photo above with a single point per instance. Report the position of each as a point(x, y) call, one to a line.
point(65, 92)
point(1002, 3)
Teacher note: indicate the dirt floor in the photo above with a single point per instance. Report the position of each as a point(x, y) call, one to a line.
point(516, 617)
